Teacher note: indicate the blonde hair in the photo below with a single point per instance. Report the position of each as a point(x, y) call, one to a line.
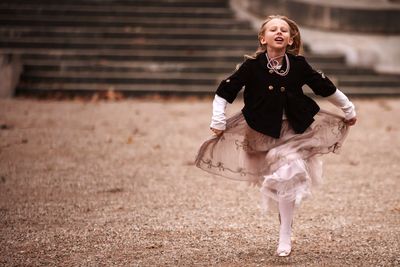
point(295, 48)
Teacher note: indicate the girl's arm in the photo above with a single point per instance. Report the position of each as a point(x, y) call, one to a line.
point(227, 92)
point(341, 101)
point(323, 86)
point(230, 87)
point(218, 119)
point(319, 83)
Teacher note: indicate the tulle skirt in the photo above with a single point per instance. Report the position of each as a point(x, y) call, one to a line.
point(286, 168)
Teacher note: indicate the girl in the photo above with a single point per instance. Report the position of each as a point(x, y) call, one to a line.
point(276, 138)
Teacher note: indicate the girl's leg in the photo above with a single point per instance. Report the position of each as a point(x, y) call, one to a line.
point(286, 211)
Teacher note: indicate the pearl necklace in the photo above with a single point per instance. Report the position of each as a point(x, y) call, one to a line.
point(273, 64)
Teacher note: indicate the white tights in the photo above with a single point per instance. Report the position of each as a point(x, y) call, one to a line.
point(286, 211)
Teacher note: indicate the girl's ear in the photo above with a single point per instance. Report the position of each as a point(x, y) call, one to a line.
point(290, 41)
point(262, 41)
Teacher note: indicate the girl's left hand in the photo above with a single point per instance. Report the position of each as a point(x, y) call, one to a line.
point(216, 131)
point(351, 121)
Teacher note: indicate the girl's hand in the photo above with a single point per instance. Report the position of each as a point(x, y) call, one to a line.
point(216, 131)
point(351, 121)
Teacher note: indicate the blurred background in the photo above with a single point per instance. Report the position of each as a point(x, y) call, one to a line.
point(134, 47)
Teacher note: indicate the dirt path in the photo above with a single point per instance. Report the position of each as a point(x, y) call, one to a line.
point(113, 183)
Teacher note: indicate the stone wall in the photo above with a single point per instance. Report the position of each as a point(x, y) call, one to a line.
point(10, 71)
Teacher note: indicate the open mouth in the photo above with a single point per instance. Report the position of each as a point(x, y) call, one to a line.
point(278, 39)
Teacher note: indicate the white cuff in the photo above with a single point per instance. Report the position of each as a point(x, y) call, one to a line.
point(341, 101)
point(218, 119)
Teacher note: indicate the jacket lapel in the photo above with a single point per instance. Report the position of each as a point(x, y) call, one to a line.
point(262, 60)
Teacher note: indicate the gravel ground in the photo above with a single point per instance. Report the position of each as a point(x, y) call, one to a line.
point(113, 183)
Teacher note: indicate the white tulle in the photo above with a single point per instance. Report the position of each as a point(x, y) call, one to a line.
point(291, 182)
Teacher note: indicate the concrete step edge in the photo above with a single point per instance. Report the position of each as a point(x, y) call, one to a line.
point(163, 68)
point(116, 87)
point(133, 20)
point(124, 2)
point(126, 41)
point(126, 52)
point(147, 74)
point(189, 89)
point(327, 67)
point(124, 75)
point(113, 8)
point(152, 53)
point(17, 32)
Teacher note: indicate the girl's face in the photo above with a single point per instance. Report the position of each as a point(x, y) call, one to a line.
point(276, 34)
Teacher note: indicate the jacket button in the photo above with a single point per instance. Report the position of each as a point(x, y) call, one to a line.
point(282, 89)
point(270, 87)
point(228, 80)
point(271, 71)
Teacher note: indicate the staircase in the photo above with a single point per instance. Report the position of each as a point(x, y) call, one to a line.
point(140, 47)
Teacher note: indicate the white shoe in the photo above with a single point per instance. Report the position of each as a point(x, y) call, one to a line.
point(285, 246)
point(284, 252)
point(285, 242)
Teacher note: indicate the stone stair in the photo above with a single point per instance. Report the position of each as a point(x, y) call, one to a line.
point(140, 47)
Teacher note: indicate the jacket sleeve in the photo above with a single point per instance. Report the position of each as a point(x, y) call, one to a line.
point(230, 87)
point(317, 80)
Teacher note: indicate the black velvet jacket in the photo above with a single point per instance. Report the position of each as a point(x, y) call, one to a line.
point(267, 94)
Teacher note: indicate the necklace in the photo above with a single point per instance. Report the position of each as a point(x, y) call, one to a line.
point(273, 64)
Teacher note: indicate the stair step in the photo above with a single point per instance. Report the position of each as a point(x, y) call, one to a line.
point(339, 69)
point(124, 52)
point(153, 55)
point(121, 32)
point(190, 67)
point(48, 41)
point(111, 10)
point(37, 88)
point(220, 67)
point(127, 54)
point(368, 81)
point(9, 8)
point(130, 3)
point(125, 77)
point(371, 91)
point(182, 78)
point(106, 45)
point(109, 21)
point(49, 61)
point(189, 89)
point(106, 65)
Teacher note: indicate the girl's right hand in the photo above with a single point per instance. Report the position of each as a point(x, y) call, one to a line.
point(351, 121)
point(216, 131)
